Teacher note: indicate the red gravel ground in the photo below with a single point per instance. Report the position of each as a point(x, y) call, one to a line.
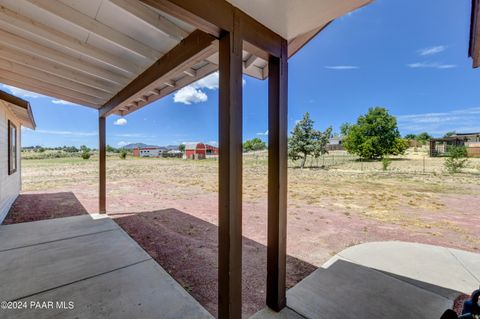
point(40, 206)
point(183, 244)
point(186, 247)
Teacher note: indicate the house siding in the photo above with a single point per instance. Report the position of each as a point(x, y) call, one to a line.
point(10, 185)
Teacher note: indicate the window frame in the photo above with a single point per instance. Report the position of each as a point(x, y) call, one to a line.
point(14, 154)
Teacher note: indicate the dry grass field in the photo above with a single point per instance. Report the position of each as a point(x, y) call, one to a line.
point(337, 203)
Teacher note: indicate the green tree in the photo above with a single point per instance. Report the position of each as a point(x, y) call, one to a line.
point(84, 148)
point(410, 137)
point(123, 153)
point(181, 148)
point(456, 159)
point(424, 137)
point(86, 154)
point(255, 144)
point(448, 134)
point(321, 142)
point(110, 149)
point(70, 149)
point(344, 128)
point(305, 140)
point(375, 135)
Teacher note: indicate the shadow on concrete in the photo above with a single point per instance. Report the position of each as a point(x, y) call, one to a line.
point(348, 290)
point(33, 207)
point(186, 247)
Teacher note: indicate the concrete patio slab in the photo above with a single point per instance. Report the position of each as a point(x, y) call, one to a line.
point(434, 265)
point(286, 313)
point(470, 261)
point(33, 269)
point(383, 280)
point(346, 290)
point(101, 271)
point(143, 290)
point(50, 230)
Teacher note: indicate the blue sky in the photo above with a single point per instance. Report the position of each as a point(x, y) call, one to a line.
point(409, 56)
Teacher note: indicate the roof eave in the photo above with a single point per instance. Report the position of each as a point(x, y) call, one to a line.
point(21, 103)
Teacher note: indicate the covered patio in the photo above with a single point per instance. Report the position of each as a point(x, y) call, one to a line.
point(85, 267)
point(118, 56)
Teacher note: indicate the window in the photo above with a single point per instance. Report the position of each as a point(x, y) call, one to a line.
point(12, 148)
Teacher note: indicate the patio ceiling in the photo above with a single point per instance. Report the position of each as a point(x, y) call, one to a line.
point(88, 52)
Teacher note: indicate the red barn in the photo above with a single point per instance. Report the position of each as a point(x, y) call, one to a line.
point(199, 150)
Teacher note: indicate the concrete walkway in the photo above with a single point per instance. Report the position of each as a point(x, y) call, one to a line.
point(79, 267)
point(384, 280)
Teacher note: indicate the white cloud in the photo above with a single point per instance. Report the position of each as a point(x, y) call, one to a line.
point(431, 65)
point(263, 134)
point(195, 92)
point(21, 92)
point(461, 120)
point(341, 67)
point(63, 102)
point(209, 82)
point(432, 50)
point(122, 143)
point(120, 122)
point(189, 95)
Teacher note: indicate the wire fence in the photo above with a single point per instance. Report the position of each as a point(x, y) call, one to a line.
point(413, 162)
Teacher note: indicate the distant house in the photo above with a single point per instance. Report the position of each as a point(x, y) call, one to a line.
point(148, 151)
point(439, 146)
point(200, 151)
point(335, 143)
point(14, 113)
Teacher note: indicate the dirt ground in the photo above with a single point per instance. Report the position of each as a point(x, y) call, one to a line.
point(170, 207)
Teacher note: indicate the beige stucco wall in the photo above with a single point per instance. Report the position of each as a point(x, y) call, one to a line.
point(10, 185)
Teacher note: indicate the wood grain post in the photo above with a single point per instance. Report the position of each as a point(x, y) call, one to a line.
point(277, 179)
point(230, 176)
point(102, 191)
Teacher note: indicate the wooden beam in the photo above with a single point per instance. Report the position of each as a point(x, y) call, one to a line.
point(230, 176)
point(252, 71)
point(474, 45)
point(58, 57)
point(277, 180)
point(213, 16)
point(152, 18)
point(176, 59)
point(15, 21)
point(200, 73)
point(52, 79)
point(89, 24)
point(44, 91)
point(190, 72)
point(249, 61)
point(41, 87)
point(53, 68)
point(102, 191)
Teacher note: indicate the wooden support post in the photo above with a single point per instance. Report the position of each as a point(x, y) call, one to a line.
point(277, 179)
point(102, 165)
point(230, 177)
